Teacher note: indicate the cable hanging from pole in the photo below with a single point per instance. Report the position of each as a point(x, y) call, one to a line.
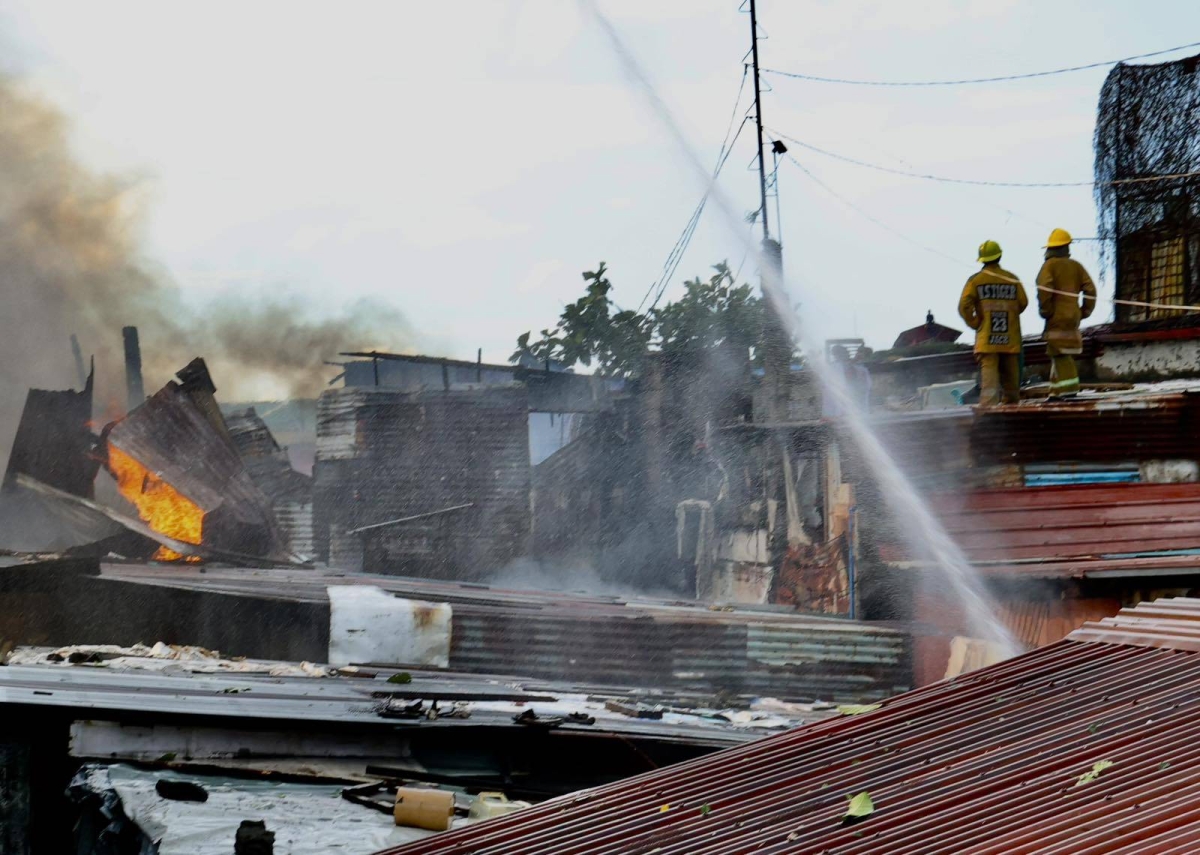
point(1149, 179)
point(868, 216)
point(659, 286)
point(975, 80)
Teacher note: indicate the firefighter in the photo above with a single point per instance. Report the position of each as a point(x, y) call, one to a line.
point(1060, 282)
point(991, 304)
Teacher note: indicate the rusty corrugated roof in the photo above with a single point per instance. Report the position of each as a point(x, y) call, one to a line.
point(997, 761)
point(1110, 427)
point(1074, 530)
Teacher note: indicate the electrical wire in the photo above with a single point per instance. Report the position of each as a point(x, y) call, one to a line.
point(659, 287)
point(666, 280)
point(978, 183)
point(868, 216)
point(681, 243)
point(961, 263)
point(973, 80)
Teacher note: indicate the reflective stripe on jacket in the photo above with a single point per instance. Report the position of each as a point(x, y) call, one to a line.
point(991, 304)
point(1062, 311)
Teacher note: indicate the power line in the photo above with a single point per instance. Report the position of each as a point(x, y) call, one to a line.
point(960, 262)
point(690, 229)
point(869, 216)
point(972, 80)
point(1149, 179)
point(685, 236)
point(659, 286)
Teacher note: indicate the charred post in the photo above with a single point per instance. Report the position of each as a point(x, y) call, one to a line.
point(77, 352)
point(133, 367)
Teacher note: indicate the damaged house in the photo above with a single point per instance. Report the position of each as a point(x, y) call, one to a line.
point(423, 465)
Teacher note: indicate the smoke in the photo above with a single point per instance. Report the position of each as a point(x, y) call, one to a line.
point(575, 575)
point(70, 263)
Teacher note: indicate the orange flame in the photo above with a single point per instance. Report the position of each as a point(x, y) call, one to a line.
point(158, 503)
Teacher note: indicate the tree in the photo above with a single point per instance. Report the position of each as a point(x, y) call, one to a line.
point(590, 331)
point(711, 313)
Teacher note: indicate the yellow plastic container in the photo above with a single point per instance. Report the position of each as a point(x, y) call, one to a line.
point(429, 809)
point(488, 805)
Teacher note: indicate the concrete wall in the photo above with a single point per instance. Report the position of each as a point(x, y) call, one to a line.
point(1153, 360)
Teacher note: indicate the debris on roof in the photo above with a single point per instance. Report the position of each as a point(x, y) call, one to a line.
point(159, 657)
point(175, 460)
point(122, 801)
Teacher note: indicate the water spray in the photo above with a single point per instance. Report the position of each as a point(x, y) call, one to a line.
point(924, 535)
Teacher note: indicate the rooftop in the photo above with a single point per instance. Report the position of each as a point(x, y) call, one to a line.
point(1086, 746)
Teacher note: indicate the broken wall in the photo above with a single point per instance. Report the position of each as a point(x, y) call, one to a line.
point(385, 455)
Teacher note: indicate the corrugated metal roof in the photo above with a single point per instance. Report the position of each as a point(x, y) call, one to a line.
point(115, 693)
point(1072, 530)
point(996, 761)
point(179, 434)
point(611, 640)
point(1109, 427)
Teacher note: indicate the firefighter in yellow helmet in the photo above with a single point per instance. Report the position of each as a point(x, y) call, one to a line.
point(991, 304)
point(1060, 282)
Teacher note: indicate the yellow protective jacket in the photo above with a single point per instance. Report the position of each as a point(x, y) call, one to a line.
point(991, 304)
point(1061, 310)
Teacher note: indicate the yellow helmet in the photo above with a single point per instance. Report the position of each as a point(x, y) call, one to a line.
point(1058, 237)
point(989, 250)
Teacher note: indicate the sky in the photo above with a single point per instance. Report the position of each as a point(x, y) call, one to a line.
point(465, 162)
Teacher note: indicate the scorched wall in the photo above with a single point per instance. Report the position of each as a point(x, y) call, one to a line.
point(384, 455)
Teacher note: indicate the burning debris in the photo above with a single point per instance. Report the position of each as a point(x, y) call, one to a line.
point(175, 461)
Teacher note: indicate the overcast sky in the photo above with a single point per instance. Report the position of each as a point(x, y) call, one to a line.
point(466, 161)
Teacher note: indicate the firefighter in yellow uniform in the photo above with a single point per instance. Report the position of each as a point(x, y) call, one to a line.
point(1060, 282)
point(991, 304)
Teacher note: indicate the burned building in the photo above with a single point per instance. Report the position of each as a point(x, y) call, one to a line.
point(269, 466)
point(175, 461)
point(429, 483)
point(424, 465)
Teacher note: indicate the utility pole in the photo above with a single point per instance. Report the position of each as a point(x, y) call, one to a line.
point(777, 344)
point(762, 169)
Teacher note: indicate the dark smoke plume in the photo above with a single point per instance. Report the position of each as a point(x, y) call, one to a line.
point(70, 263)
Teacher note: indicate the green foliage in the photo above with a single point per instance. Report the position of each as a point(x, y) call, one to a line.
point(711, 312)
point(1097, 768)
point(860, 805)
point(593, 331)
point(858, 709)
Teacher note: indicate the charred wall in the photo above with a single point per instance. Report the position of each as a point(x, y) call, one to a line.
point(385, 455)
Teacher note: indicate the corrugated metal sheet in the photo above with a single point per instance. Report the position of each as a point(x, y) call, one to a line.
point(179, 434)
point(296, 522)
point(997, 761)
point(53, 443)
point(1075, 529)
point(609, 640)
point(1109, 428)
point(1128, 426)
point(414, 453)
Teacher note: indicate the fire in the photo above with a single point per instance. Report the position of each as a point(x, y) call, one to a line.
point(158, 503)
